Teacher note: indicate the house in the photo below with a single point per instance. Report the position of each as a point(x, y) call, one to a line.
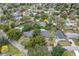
point(70, 22)
point(1, 12)
point(28, 33)
point(20, 27)
point(3, 21)
point(26, 12)
point(45, 33)
point(72, 35)
point(17, 15)
point(43, 24)
point(59, 34)
point(3, 33)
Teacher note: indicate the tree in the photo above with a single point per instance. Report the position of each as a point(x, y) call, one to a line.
point(77, 39)
point(40, 40)
point(36, 32)
point(14, 34)
point(57, 51)
point(36, 26)
point(3, 41)
point(4, 27)
point(27, 28)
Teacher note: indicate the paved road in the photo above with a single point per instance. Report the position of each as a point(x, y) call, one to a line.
point(18, 46)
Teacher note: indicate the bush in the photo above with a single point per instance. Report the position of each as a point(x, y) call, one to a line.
point(58, 51)
point(14, 34)
point(77, 39)
point(36, 26)
point(4, 49)
point(36, 40)
point(4, 27)
point(36, 32)
point(27, 28)
point(3, 40)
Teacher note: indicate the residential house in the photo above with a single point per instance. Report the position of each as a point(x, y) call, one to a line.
point(28, 33)
point(1, 12)
point(45, 33)
point(17, 15)
point(43, 24)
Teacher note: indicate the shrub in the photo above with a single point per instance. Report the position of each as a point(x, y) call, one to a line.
point(14, 34)
point(4, 27)
point(27, 28)
point(36, 40)
point(36, 32)
point(4, 49)
point(58, 51)
point(36, 26)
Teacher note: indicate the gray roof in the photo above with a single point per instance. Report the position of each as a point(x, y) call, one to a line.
point(42, 24)
point(1, 13)
point(44, 33)
point(72, 35)
point(28, 34)
point(60, 35)
point(3, 33)
point(18, 17)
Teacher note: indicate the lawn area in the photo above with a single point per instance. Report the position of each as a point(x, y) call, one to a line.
point(64, 43)
point(76, 42)
point(14, 51)
point(69, 53)
point(67, 31)
point(23, 40)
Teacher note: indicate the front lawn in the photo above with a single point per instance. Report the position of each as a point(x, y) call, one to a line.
point(69, 53)
point(14, 51)
point(64, 43)
point(76, 42)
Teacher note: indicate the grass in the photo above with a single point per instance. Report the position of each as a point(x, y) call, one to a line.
point(69, 53)
point(76, 42)
point(14, 51)
point(23, 40)
point(64, 43)
point(68, 31)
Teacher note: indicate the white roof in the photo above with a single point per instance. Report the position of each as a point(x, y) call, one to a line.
point(42, 29)
point(72, 35)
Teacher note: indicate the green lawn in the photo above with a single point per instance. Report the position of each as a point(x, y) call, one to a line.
point(14, 51)
point(69, 53)
point(76, 42)
point(64, 43)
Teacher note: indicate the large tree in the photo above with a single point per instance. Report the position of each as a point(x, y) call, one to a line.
point(40, 40)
